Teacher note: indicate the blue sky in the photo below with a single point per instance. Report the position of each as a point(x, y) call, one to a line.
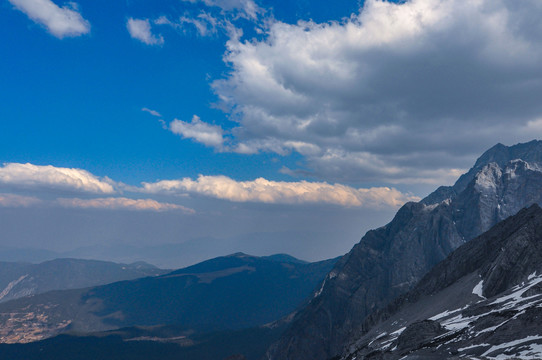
point(87, 92)
point(218, 118)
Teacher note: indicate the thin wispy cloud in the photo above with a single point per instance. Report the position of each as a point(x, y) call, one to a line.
point(280, 192)
point(65, 21)
point(204, 23)
point(14, 200)
point(51, 177)
point(122, 203)
point(243, 8)
point(217, 17)
point(152, 112)
point(140, 29)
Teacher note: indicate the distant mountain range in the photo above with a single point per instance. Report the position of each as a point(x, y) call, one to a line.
point(23, 279)
point(182, 254)
point(225, 293)
point(484, 300)
point(418, 288)
point(390, 260)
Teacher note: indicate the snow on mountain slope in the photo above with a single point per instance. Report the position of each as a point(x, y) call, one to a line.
point(484, 300)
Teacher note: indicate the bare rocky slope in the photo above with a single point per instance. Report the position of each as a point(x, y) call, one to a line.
point(484, 300)
point(390, 260)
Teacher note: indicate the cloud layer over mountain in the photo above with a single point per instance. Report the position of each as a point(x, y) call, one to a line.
point(398, 92)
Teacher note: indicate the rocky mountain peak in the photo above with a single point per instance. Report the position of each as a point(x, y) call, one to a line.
point(388, 261)
point(500, 154)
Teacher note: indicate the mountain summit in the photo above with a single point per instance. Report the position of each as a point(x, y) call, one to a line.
point(390, 260)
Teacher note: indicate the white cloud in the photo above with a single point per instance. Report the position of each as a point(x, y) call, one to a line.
point(13, 200)
point(204, 23)
point(199, 131)
point(140, 29)
point(152, 112)
point(122, 203)
point(243, 8)
point(59, 21)
point(221, 16)
point(32, 176)
point(265, 191)
point(391, 92)
point(157, 114)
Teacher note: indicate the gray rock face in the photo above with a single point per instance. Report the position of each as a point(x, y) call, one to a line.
point(388, 261)
point(418, 333)
point(483, 300)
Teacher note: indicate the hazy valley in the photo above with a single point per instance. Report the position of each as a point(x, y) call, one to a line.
point(415, 287)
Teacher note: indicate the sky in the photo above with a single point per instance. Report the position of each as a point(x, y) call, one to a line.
point(249, 125)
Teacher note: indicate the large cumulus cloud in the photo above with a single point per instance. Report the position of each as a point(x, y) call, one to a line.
point(403, 93)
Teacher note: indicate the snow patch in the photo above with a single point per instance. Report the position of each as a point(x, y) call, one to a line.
point(457, 322)
point(472, 347)
point(478, 289)
point(398, 332)
point(330, 276)
point(534, 352)
point(447, 312)
point(492, 328)
point(380, 336)
point(511, 344)
point(10, 286)
point(428, 208)
point(319, 292)
point(515, 297)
